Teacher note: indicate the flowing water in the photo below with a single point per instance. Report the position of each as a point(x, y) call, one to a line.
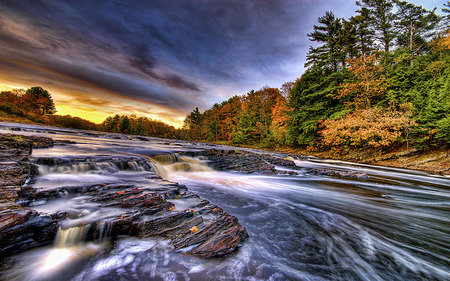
point(393, 224)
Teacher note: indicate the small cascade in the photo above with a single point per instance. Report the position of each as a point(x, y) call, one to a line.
point(104, 229)
point(45, 166)
point(172, 163)
point(70, 237)
point(167, 158)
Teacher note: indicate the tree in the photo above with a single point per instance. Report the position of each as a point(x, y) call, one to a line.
point(348, 41)
point(416, 24)
point(39, 101)
point(368, 81)
point(364, 32)
point(373, 127)
point(125, 125)
point(192, 125)
point(327, 33)
point(312, 100)
point(381, 18)
point(280, 121)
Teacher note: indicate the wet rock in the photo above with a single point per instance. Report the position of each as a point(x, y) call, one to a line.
point(146, 209)
point(217, 238)
point(41, 142)
point(162, 224)
point(340, 174)
point(24, 229)
point(244, 161)
point(64, 142)
point(222, 242)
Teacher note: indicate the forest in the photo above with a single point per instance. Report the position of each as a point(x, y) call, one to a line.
point(36, 104)
point(380, 79)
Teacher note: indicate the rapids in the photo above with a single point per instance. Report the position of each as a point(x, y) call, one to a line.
point(391, 225)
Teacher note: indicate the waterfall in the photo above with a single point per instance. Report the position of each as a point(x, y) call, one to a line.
point(70, 237)
point(46, 167)
point(172, 163)
point(167, 158)
point(160, 164)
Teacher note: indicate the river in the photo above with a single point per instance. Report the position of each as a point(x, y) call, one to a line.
point(392, 224)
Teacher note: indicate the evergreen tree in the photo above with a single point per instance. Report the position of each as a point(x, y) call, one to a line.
point(364, 31)
point(125, 125)
point(381, 19)
point(327, 33)
point(416, 25)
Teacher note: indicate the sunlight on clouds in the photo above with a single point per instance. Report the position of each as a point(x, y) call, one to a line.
point(98, 115)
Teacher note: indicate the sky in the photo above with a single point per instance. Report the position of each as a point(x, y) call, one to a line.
point(156, 58)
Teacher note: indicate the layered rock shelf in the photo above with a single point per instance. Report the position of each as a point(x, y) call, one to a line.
point(245, 162)
point(152, 210)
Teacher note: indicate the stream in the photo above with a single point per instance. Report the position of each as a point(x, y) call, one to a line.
point(392, 224)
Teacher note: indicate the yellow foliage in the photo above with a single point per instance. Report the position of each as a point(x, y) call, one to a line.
point(172, 208)
point(442, 41)
point(194, 229)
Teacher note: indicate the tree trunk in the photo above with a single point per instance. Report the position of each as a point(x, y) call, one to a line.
point(411, 47)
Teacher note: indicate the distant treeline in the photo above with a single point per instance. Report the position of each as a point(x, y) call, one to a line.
point(139, 126)
point(378, 79)
point(36, 104)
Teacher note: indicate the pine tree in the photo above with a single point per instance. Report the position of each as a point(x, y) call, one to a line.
point(381, 19)
point(364, 31)
point(416, 25)
point(327, 33)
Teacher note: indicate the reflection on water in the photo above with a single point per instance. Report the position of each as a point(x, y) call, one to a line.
point(390, 225)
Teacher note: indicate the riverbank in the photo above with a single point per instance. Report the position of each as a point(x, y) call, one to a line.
point(433, 161)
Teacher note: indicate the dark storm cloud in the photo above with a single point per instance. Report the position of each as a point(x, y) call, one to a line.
point(165, 52)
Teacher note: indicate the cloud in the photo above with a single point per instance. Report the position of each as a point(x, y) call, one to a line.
point(169, 54)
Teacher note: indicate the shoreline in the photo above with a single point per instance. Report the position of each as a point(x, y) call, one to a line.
point(433, 161)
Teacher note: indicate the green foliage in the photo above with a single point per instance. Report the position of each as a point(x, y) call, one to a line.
point(312, 100)
point(139, 126)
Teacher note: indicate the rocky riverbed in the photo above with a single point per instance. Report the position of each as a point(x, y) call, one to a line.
point(149, 211)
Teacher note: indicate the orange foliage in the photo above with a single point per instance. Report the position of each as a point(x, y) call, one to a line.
point(373, 127)
point(368, 81)
point(442, 41)
point(280, 119)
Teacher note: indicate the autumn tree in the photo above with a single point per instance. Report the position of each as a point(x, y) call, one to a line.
point(39, 101)
point(280, 120)
point(374, 127)
point(368, 81)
